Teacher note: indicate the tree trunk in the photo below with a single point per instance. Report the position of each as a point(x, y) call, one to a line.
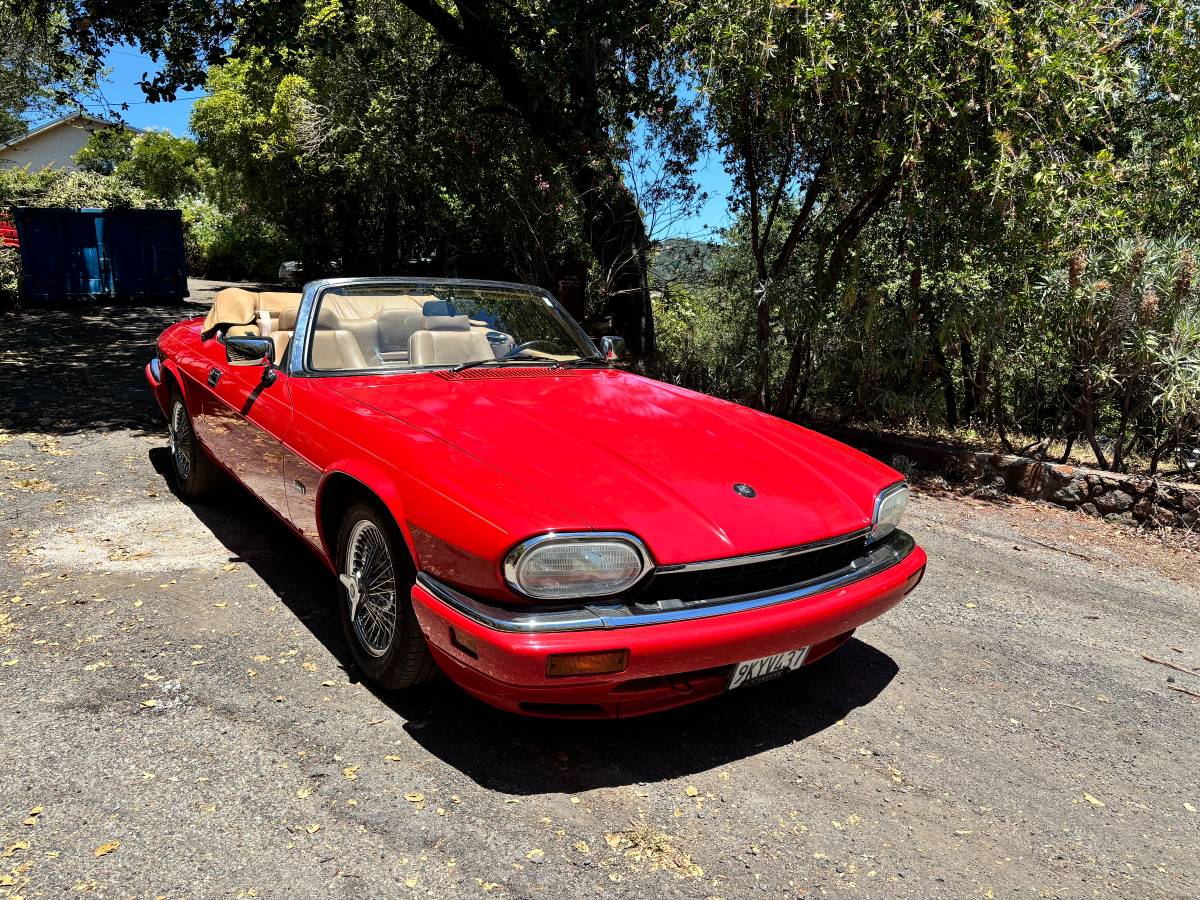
point(576, 134)
point(975, 379)
point(944, 376)
point(613, 227)
point(762, 321)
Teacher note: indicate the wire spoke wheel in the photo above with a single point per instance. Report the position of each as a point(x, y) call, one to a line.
point(370, 583)
point(180, 429)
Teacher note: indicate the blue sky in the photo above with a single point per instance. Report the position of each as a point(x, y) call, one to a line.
point(714, 215)
point(126, 66)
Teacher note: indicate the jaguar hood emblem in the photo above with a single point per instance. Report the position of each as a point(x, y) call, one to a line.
point(744, 490)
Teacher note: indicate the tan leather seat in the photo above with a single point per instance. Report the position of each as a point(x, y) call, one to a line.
point(283, 340)
point(396, 326)
point(335, 349)
point(448, 341)
point(242, 331)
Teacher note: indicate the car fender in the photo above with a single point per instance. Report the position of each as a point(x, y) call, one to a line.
point(379, 482)
point(162, 387)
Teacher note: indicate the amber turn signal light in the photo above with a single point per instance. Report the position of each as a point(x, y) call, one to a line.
point(607, 662)
point(913, 580)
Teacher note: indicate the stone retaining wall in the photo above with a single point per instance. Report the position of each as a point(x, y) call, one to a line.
point(1134, 499)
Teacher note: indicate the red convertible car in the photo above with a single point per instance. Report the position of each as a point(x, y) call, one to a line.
point(501, 502)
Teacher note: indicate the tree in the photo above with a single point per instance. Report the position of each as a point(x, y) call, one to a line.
point(37, 74)
point(105, 150)
point(830, 114)
point(576, 75)
point(378, 152)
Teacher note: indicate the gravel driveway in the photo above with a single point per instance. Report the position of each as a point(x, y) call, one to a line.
point(180, 718)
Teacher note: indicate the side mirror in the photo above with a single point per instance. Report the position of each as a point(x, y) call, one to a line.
point(612, 347)
point(249, 350)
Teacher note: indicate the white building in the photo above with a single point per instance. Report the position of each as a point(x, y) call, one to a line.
point(53, 144)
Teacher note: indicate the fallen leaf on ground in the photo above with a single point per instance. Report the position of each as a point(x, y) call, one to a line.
point(1092, 800)
point(535, 854)
point(692, 791)
point(149, 704)
point(313, 828)
point(414, 797)
point(105, 849)
point(351, 772)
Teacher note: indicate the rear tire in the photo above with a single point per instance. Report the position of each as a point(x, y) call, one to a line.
point(376, 574)
point(196, 476)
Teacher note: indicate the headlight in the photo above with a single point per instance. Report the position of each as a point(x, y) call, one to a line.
point(889, 508)
point(561, 566)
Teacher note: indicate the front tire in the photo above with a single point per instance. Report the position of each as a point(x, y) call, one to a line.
point(196, 476)
point(376, 574)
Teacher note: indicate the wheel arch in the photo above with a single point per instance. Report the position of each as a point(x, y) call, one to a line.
point(338, 490)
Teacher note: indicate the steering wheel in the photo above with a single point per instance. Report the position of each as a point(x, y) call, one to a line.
point(522, 347)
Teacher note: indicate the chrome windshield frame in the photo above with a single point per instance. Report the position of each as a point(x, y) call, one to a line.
point(297, 361)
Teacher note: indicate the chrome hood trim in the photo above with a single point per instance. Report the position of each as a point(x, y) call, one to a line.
point(877, 558)
point(769, 556)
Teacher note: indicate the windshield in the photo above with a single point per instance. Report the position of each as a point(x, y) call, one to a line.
point(421, 326)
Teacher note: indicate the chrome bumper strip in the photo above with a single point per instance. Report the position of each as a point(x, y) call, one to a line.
point(599, 616)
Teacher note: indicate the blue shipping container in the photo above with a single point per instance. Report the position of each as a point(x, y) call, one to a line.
point(126, 254)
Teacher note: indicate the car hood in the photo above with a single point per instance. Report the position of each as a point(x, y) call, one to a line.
point(626, 453)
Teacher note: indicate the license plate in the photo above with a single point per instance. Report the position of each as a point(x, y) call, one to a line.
point(755, 671)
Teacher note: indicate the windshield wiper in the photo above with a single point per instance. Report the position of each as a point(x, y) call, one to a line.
point(584, 361)
point(472, 363)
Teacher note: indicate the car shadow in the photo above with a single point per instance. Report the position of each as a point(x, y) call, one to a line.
point(518, 755)
point(79, 368)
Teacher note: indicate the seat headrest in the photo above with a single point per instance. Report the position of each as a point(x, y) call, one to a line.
point(447, 323)
point(438, 308)
point(327, 317)
point(287, 319)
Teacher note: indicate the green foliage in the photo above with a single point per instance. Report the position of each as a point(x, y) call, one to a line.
point(106, 149)
point(367, 157)
point(58, 187)
point(38, 73)
point(231, 245)
point(164, 166)
point(10, 276)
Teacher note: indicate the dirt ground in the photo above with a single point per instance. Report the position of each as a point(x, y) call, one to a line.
point(179, 716)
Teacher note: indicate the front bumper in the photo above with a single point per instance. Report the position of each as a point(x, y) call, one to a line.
point(675, 656)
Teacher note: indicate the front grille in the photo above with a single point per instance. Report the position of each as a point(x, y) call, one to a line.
point(750, 577)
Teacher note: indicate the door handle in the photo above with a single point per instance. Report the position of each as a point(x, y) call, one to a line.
point(214, 375)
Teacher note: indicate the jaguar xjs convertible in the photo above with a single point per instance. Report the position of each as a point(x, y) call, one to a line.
point(501, 501)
